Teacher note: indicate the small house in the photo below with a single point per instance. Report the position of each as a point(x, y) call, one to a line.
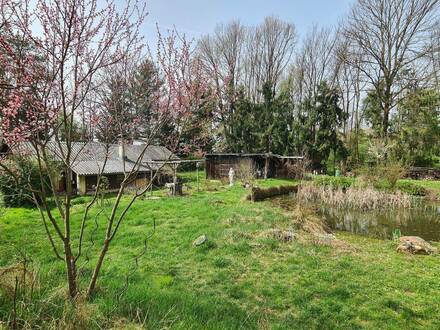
point(89, 160)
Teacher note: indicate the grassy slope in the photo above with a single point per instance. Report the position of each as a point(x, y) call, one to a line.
point(428, 184)
point(240, 279)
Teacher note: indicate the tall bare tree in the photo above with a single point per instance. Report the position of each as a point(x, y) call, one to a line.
point(244, 58)
point(315, 62)
point(391, 37)
point(222, 57)
point(275, 46)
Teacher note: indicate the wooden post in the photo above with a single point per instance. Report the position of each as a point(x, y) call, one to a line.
point(151, 182)
point(266, 167)
point(197, 167)
point(174, 179)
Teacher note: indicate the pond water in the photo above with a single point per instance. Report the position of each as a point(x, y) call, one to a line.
point(422, 221)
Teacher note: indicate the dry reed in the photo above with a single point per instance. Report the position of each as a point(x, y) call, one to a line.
point(355, 198)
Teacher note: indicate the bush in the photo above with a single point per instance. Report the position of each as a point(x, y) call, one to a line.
point(335, 182)
point(392, 172)
point(15, 191)
point(259, 194)
point(246, 172)
point(297, 169)
point(411, 188)
point(382, 177)
point(382, 184)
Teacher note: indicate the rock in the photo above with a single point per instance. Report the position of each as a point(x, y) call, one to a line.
point(200, 240)
point(283, 235)
point(415, 245)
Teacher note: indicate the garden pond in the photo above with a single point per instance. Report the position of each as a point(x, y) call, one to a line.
point(422, 220)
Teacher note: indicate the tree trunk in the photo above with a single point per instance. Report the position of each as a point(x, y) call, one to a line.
point(71, 269)
point(69, 257)
point(95, 275)
point(385, 123)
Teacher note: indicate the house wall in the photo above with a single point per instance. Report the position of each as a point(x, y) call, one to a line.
point(87, 184)
point(140, 181)
point(81, 185)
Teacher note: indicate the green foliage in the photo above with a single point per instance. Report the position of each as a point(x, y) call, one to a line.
point(274, 125)
point(261, 126)
point(391, 172)
point(15, 189)
point(417, 128)
point(195, 137)
point(382, 176)
point(77, 132)
point(381, 184)
point(334, 182)
point(373, 112)
point(411, 188)
point(396, 234)
point(325, 117)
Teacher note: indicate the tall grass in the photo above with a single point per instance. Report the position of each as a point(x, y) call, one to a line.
point(357, 198)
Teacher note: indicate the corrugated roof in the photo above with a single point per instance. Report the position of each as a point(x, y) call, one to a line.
point(92, 158)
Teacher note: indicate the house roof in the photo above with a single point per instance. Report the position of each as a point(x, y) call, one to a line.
point(92, 158)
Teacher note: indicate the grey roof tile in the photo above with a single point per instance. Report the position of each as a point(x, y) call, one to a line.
point(92, 158)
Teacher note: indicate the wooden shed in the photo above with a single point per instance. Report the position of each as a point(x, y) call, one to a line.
point(264, 165)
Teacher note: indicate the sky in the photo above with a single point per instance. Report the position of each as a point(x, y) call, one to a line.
point(195, 18)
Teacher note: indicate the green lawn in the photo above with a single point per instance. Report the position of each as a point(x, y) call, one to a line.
point(239, 279)
point(428, 184)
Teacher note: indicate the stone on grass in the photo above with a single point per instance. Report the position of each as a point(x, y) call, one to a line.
point(415, 245)
point(282, 235)
point(200, 240)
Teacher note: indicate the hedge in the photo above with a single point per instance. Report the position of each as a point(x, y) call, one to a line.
point(259, 194)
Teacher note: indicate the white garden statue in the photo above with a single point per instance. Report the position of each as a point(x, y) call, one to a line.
point(231, 177)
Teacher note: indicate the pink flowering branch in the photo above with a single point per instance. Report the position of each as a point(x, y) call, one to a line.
point(185, 85)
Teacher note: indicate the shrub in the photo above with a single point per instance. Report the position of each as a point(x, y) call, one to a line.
point(297, 169)
point(392, 172)
point(382, 184)
point(246, 172)
point(381, 177)
point(259, 194)
point(334, 182)
point(14, 189)
point(411, 188)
